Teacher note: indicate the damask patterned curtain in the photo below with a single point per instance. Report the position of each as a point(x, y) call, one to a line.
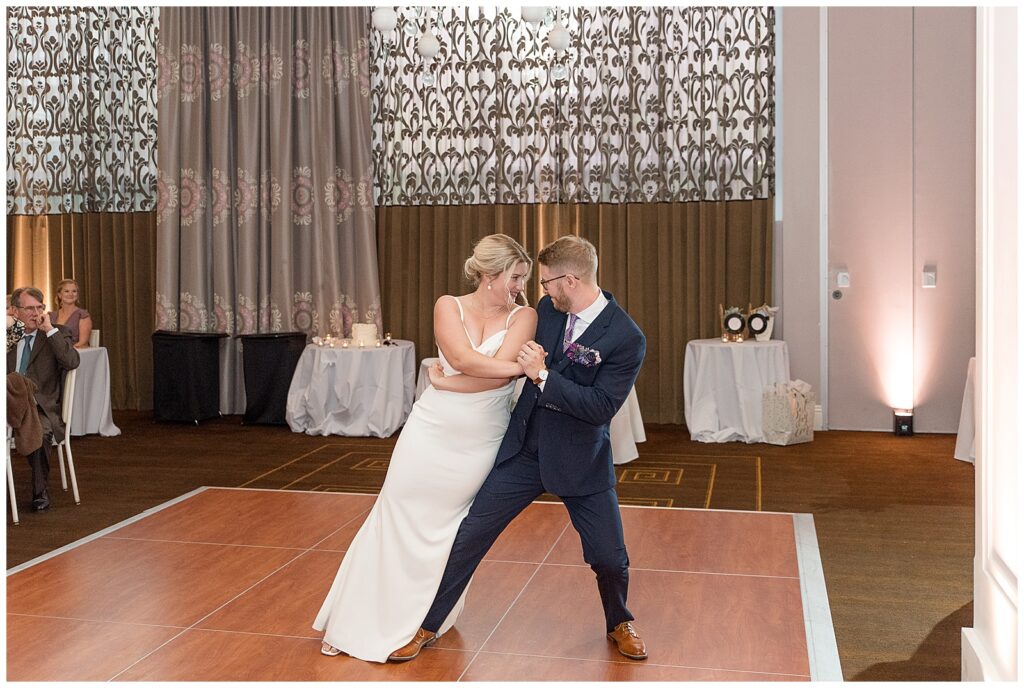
point(81, 109)
point(265, 219)
point(648, 104)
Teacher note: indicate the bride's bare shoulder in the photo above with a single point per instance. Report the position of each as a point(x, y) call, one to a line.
point(526, 313)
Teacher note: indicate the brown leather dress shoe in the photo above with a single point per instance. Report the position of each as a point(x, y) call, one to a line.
point(629, 643)
point(412, 648)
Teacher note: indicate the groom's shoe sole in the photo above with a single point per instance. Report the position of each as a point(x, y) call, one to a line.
point(416, 643)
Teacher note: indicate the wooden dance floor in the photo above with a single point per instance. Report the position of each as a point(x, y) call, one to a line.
point(223, 584)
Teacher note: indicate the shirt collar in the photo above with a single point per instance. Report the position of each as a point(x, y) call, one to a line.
point(590, 313)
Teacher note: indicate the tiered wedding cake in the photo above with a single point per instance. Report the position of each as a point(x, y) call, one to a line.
point(365, 333)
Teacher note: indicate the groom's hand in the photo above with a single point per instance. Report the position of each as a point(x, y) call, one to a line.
point(531, 357)
point(436, 374)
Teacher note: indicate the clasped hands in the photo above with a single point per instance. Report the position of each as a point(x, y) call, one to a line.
point(530, 357)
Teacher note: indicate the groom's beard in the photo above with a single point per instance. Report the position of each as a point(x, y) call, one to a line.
point(560, 303)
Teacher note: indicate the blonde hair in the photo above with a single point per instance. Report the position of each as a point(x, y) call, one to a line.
point(60, 285)
point(575, 254)
point(494, 255)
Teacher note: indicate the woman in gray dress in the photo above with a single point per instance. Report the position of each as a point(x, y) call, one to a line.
point(70, 314)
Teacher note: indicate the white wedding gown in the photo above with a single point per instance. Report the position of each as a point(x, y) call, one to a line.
point(391, 571)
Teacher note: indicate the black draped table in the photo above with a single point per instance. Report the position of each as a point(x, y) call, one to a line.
point(186, 375)
point(268, 362)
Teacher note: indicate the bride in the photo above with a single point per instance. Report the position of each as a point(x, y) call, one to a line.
point(391, 571)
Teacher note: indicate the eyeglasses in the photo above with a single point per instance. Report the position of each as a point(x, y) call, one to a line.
point(544, 283)
point(31, 308)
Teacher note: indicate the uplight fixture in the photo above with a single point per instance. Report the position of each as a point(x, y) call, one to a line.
point(903, 422)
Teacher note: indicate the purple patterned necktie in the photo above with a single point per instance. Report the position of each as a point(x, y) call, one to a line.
point(567, 340)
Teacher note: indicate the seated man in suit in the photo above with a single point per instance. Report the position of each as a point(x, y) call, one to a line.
point(43, 354)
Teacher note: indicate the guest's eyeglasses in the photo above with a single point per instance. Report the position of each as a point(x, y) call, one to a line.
point(31, 308)
point(544, 283)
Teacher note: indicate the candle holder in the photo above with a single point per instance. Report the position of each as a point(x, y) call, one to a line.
point(344, 343)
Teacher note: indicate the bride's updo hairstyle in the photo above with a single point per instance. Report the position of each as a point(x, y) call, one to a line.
point(492, 256)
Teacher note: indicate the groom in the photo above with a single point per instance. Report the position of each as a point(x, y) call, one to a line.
point(557, 440)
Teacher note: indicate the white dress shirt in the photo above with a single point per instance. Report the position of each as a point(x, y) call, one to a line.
point(583, 320)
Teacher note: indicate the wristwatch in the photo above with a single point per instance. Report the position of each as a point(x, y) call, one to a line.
point(541, 376)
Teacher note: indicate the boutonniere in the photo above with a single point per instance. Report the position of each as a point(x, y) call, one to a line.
point(583, 355)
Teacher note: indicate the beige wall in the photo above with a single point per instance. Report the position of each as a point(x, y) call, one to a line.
point(870, 229)
point(944, 217)
point(800, 293)
point(900, 196)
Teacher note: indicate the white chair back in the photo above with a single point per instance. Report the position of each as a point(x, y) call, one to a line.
point(67, 405)
point(94, 338)
point(13, 499)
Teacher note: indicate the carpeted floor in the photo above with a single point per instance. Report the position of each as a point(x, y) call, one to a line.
point(894, 516)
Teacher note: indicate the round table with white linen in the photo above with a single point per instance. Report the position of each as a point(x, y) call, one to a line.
point(352, 391)
point(723, 383)
point(91, 411)
point(625, 431)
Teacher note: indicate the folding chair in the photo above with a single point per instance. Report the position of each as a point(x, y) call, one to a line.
point(10, 477)
point(66, 410)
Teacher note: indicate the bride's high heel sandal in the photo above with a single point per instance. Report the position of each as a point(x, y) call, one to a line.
point(329, 650)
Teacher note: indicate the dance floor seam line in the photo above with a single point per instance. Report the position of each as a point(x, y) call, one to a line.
point(639, 568)
point(632, 662)
point(265, 635)
point(195, 542)
point(103, 621)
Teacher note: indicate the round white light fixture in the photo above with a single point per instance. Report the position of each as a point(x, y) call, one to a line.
point(534, 15)
point(558, 37)
point(384, 19)
point(428, 45)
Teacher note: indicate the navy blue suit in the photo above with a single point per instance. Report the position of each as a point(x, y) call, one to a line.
point(557, 441)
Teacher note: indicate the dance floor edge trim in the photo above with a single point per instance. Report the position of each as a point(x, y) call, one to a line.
point(822, 649)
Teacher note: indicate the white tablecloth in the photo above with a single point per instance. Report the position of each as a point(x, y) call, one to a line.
point(91, 414)
point(965, 433)
point(626, 429)
point(723, 383)
point(353, 391)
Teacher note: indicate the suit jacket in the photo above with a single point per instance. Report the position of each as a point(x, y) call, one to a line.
point(572, 414)
point(50, 358)
point(23, 414)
